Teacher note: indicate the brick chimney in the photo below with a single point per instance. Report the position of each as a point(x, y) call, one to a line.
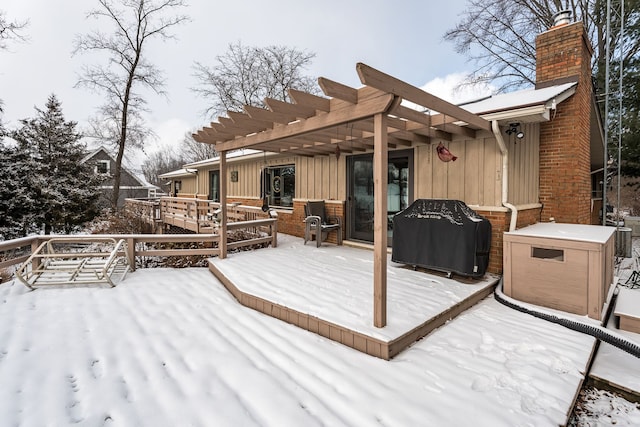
point(563, 53)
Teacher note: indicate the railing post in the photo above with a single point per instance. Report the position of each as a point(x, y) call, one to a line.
point(35, 262)
point(274, 234)
point(131, 252)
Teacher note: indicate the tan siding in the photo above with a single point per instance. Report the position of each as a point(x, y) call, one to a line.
point(188, 185)
point(321, 177)
point(475, 177)
point(523, 166)
point(438, 175)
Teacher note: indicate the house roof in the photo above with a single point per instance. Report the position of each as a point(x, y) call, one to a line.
point(518, 101)
point(177, 174)
point(141, 181)
point(239, 154)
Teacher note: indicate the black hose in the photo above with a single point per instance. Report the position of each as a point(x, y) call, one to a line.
point(595, 331)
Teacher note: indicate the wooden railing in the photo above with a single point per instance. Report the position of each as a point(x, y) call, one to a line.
point(147, 209)
point(261, 231)
point(199, 216)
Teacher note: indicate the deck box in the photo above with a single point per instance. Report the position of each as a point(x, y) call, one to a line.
point(567, 267)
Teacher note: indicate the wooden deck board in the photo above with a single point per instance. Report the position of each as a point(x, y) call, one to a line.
point(361, 340)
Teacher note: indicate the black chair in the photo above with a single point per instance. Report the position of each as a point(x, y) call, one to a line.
point(319, 224)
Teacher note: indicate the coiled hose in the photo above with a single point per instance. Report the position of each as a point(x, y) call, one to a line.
point(597, 332)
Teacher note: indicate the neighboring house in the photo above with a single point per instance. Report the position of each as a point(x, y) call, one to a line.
point(131, 186)
point(524, 157)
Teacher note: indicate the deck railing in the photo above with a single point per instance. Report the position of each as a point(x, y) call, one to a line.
point(261, 231)
point(197, 215)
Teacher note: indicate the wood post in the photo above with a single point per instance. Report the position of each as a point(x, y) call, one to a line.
point(131, 252)
point(223, 205)
point(380, 177)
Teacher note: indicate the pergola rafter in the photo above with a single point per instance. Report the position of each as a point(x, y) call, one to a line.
point(368, 118)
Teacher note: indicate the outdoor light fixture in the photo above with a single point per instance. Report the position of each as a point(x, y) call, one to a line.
point(514, 128)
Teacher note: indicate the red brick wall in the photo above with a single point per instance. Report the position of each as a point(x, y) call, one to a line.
point(565, 163)
point(292, 221)
point(500, 222)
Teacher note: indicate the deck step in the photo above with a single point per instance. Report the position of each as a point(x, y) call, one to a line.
point(627, 310)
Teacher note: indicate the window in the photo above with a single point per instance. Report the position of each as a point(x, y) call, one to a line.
point(103, 166)
point(214, 185)
point(279, 185)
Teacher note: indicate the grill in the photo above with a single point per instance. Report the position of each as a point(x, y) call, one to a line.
point(443, 235)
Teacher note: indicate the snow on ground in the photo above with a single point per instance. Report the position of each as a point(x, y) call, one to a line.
point(600, 407)
point(173, 348)
point(603, 408)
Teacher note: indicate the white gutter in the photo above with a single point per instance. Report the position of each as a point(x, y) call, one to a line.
point(505, 174)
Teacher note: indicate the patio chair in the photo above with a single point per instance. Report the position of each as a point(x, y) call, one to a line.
point(319, 224)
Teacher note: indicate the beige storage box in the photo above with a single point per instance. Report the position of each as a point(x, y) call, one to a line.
point(566, 267)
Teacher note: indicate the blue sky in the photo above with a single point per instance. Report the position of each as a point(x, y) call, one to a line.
point(402, 38)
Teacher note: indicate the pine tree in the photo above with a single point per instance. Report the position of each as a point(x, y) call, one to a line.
point(18, 216)
point(60, 192)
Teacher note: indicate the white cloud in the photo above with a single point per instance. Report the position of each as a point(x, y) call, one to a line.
point(449, 89)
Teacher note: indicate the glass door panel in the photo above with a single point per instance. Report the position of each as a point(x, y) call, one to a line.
point(360, 189)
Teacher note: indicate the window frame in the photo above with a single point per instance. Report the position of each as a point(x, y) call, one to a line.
point(278, 185)
point(100, 164)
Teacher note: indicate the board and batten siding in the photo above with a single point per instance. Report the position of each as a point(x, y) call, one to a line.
point(321, 177)
point(187, 184)
point(524, 166)
point(476, 176)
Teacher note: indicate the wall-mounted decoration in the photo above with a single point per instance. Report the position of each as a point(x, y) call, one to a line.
point(234, 176)
point(444, 154)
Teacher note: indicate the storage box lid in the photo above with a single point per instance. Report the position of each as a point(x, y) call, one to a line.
point(553, 230)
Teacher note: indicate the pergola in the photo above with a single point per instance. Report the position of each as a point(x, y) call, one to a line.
point(349, 120)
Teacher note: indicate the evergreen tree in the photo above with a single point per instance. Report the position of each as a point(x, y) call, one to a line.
point(18, 216)
point(59, 192)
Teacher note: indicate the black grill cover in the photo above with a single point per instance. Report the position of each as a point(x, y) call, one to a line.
point(444, 235)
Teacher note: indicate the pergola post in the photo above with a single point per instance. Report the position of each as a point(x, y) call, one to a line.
point(222, 245)
point(380, 177)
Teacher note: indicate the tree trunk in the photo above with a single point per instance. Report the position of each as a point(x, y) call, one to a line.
point(123, 136)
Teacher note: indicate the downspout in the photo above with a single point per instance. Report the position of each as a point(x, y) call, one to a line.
point(505, 174)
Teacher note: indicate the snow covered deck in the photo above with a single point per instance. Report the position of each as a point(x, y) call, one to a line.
point(171, 347)
point(329, 291)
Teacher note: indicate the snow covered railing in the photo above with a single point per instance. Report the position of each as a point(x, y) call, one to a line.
point(197, 215)
point(16, 251)
point(76, 260)
point(189, 213)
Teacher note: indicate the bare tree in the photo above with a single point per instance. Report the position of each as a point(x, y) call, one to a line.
point(247, 75)
point(159, 162)
point(11, 31)
point(193, 151)
point(499, 36)
point(134, 24)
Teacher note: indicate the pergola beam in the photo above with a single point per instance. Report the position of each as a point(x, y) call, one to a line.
point(310, 100)
point(348, 114)
point(298, 111)
point(268, 115)
point(338, 90)
point(372, 77)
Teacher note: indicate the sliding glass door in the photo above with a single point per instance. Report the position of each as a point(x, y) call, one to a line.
point(360, 192)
